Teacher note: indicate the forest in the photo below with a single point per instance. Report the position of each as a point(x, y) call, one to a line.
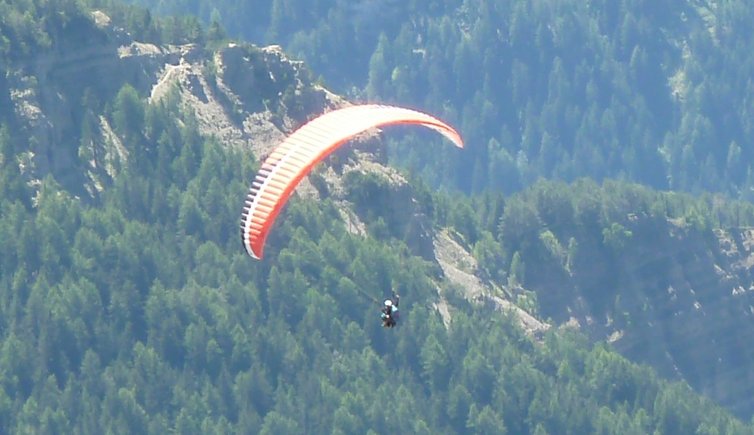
point(140, 314)
point(135, 310)
point(651, 92)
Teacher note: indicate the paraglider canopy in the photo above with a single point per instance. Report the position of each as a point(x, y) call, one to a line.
point(294, 158)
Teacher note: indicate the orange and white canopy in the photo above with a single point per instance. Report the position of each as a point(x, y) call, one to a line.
point(292, 160)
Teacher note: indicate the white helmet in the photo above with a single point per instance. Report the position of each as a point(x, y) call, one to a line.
point(388, 303)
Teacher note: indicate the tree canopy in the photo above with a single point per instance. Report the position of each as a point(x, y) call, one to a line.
point(135, 310)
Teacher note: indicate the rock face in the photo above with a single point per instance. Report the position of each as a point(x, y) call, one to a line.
point(460, 268)
point(675, 297)
point(244, 95)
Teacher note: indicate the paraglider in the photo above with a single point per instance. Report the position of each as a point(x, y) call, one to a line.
point(294, 158)
point(390, 312)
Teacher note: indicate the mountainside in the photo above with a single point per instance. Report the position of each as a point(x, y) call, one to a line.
point(124, 165)
point(653, 92)
point(673, 296)
point(52, 96)
point(245, 96)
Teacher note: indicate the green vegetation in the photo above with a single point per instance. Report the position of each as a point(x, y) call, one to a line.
point(139, 313)
point(135, 310)
point(651, 92)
